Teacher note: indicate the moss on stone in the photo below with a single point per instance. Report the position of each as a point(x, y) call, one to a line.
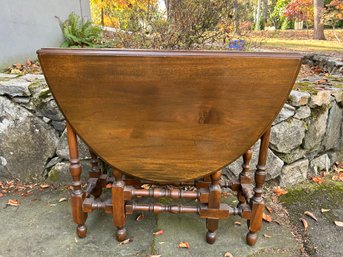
point(305, 86)
point(54, 175)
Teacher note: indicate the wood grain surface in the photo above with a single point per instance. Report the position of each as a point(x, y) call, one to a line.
point(169, 116)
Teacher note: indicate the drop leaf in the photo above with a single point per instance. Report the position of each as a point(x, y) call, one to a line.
point(140, 217)
point(12, 202)
point(338, 223)
point(228, 254)
point(324, 210)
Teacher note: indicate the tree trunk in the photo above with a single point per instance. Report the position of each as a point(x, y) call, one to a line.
point(258, 16)
point(235, 18)
point(318, 22)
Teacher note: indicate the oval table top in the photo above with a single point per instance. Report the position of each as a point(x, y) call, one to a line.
point(169, 116)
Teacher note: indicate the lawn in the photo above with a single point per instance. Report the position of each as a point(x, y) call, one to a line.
point(308, 45)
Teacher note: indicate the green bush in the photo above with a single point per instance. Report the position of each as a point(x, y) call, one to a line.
point(80, 33)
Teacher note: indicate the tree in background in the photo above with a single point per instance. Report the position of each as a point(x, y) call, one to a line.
point(300, 10)
point(318, 20)
point(334, 14)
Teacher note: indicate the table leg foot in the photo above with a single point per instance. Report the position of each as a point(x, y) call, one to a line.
point(121, 234)
point(211, 237)
point(251, 238)
point(81, 231)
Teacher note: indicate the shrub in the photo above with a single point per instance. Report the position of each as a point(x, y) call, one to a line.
point(78, 32)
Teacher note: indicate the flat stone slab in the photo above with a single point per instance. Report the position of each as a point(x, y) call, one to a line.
point(42, 226)
point(322, 238)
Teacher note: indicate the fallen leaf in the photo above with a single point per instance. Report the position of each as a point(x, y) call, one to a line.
point(305, 223)
point(184, 245)
point(126, 241)
point(269, 209)
point(227, 254)
point(145, 186)
point(109, 185)
point(267, 217)
point(62, 199)
point(44, 186)
point(1, 194)
point(317, 179)
point(279, 191)
point(237, 223)
point(311, 215)
point(28, 62)
point(324, 210)
point(12, 202)
point(158, 233)
point(267, 236)
point(338, 177)
point(140, 217)
point(158, 255)
point(277, 222)
point(338, 223)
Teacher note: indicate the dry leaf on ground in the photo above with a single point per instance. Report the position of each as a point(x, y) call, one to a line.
point(126, 241)
point(324, 210)
point(317, 179)
point(311, 215)
point(237, 223)
point(63, 199)
point(338, 177)
point(158, 233)
point(305, 223)
point(338, 223)
point(44, 186)
point(279, 191)
point(269, 209)
point(12, 202)
point(228, 254)
point(140, 217)
point(184, 244)
point(109, 185)
point(155, 255)
point(267, 236)
point(267, 217)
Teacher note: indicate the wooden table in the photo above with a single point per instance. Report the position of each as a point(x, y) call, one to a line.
point(168, 117)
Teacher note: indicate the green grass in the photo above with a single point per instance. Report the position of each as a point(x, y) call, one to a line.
point(303, 45)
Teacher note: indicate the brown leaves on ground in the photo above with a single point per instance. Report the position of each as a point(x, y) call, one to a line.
point(126, 241)
point(279, 191)
point(338, 169)
point(16, 187)
point(311, 215)
point(338, 223)
point(159, 232)
point(12, 202)
point(317, 179)
point(140, 217)
point(305, 223)
point(44, 186)
point(228, 254)
point(184, 244)
point(267, 217)
point(21, 69)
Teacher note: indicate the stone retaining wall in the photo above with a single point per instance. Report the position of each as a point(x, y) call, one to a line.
point(305, 139)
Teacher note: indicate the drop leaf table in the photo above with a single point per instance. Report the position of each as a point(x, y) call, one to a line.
point(168, 118)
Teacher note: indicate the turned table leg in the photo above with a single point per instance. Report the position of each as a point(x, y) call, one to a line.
point(95, 173)
point(257, 200)
point(77, 195)
point(244, 176)
point(118, 205)
point(213, 203)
